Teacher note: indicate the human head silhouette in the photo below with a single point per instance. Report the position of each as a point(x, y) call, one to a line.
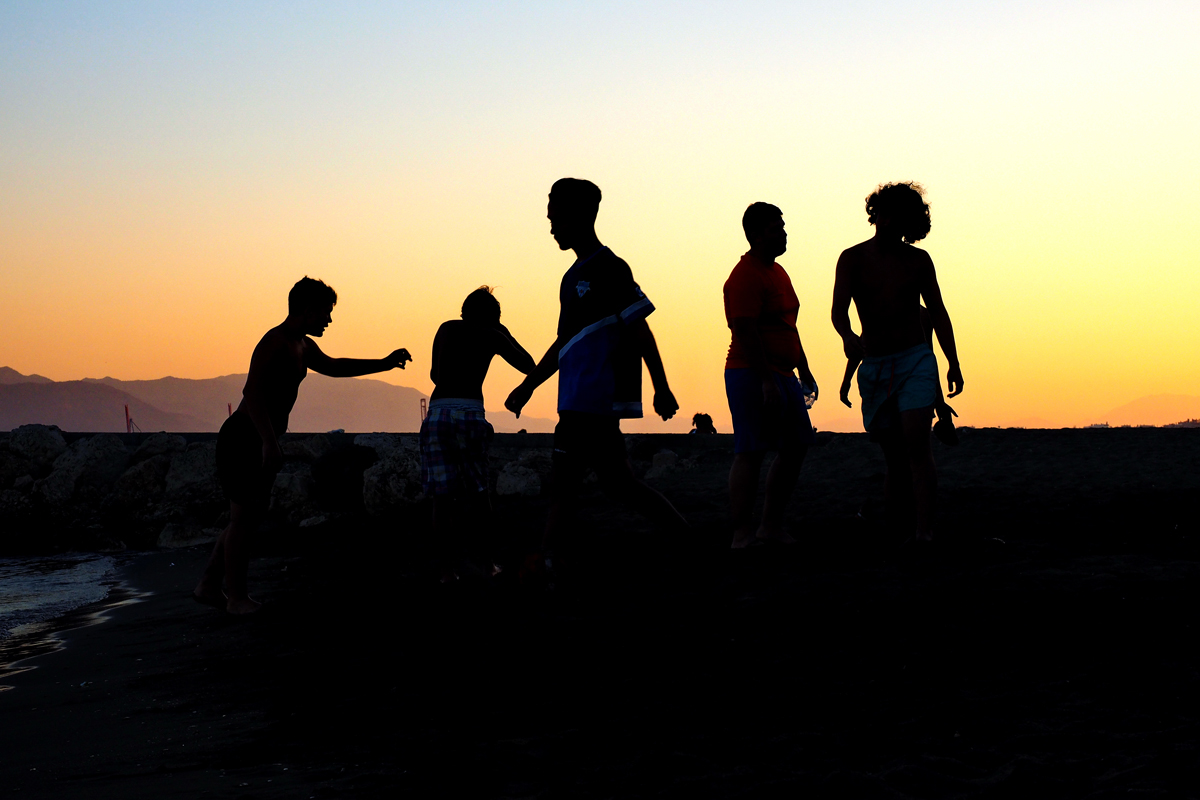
point(310, 305)
point(763, 225)
point(900, 209)
point(572, 211)
point(481, 306)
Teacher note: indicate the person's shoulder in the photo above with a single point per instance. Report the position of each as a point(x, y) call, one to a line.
point(859, 250)
point(915, 254)
point(747, 269)
point(273, 339)
point(613, 263)
point(449, 326)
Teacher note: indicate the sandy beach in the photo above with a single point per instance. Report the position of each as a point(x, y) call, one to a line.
point(1048, 647)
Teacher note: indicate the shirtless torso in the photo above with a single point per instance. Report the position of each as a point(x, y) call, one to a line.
point(886, 285)
point(462, 353)
point(277, 368)
point(887, 279)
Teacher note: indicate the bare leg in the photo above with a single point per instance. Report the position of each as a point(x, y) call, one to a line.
point(743, 487)
point(443, 536)
point(781, 480)
point(565, 479)
point(898, 485)
point(210, 589)
point(478, 531)
point(242, 522)
point(646, 499)
point(920, 459)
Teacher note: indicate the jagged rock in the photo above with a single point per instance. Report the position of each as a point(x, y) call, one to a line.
point(515, 479)
point(93, 462)
point(394, 480)
point(193, 475)
point(142, 483)
point(307, 449)
point(664, 462)
point(383, 444)
point(41, 444)
point(176, 534)
point(23, 483)
point(292, 495)
point(15, 505)
point(159, 444)
point(313, 522)
point(339, 477)
point(13, 466)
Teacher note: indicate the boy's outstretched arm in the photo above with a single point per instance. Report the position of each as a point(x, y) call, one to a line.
point(932, 294)
point(511, 351)
point(317, 361)
point(665, 404)
point(541, 373)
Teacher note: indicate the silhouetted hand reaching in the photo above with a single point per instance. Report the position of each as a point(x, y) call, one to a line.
point(517, 399)
point(665, 404)
point(397, 358)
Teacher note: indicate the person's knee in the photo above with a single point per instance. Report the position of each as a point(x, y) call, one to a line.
point(748, 460)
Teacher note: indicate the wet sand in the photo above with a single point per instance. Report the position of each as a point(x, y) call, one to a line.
point(1049, 647)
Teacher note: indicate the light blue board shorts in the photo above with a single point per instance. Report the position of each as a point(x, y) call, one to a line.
point(909, 377)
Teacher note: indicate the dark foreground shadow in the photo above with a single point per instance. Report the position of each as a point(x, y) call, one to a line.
point(1049, 652)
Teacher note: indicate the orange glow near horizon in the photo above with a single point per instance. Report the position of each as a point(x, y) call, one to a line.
point(156, 209)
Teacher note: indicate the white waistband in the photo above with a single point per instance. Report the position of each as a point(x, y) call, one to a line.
point(456, 404)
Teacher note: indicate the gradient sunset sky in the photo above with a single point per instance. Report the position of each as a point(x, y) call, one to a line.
point(168, 170)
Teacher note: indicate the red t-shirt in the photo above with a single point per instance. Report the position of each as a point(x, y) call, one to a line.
point(763, 292)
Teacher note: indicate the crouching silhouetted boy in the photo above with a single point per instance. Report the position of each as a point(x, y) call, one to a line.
point(248, 454)
point(455, 434)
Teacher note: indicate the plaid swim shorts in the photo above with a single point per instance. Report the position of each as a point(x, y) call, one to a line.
point(454, 444)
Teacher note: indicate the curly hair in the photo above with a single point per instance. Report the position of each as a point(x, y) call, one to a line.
point(904, 205)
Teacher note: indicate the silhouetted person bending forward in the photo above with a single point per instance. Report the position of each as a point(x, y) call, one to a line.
point(887, 278)
point(248, 455)
point(602, 339)
point(455, 434)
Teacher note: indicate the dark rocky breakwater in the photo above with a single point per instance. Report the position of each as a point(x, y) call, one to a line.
point(109, 492)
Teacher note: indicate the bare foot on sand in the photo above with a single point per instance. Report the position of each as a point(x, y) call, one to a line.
point(774, 536)
point(243, 606)
point(742, 540)
point(209, 596)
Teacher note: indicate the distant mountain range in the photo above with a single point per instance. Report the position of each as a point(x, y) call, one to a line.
point(181, 404)
point(1158, 409)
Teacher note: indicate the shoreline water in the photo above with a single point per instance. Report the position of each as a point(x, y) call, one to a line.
point(31, 640)
point(42, 597)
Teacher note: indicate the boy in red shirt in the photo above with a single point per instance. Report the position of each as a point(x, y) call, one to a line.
point(765, 398)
